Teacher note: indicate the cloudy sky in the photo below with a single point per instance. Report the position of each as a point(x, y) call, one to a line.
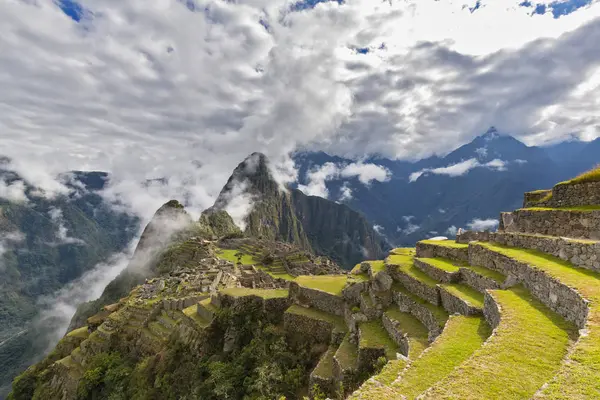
point(185, 89)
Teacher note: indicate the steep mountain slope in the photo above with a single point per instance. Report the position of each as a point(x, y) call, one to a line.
point(310, 222)
point(435, 196)
point(44, 245)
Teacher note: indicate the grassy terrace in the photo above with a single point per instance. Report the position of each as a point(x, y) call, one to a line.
point(592, 175)
point(347, 354)
point(526, 351)
point(466, 293)
point(445, 264)
point(337, 321)
point(488, 273)
point(578, 378)
point(192, 312)
point(324, 368)
point(79, 333)
point(438, 312)
point(373, 335)
point(276, 270)
point(332, 284)
point(446, 243)
point(377, 266)
point(263, 293)
point(207, 303)
point(414, 272)
point(403, 251)
point(417, 333)
point(576, 209)
point(462, 336)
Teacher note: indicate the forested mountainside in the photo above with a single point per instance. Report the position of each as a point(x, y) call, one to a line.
point(44, 245)
point(438, 195)
point(313, 223)
point(491, 315)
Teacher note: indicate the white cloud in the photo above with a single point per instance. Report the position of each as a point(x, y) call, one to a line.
point(460, 168)
point(378, 228)
point(62, 233)
point(452, 230)
point(481, 152)
point(483, 224)
point(345, 192)
point(410, 227)
point(14, 191)
point(7, 241)
point(318, 176)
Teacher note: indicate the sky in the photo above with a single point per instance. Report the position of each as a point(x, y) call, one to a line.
point(185, 90)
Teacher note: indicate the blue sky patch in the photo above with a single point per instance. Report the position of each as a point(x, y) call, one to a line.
point(71, 8)
point(558, 8)
point(306, 4)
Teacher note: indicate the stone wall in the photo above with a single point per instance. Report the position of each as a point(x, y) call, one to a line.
point(566, 195)
point(574, 224)
point(550, 291)
point(491, 310)
point(476, 281)
point(469, 236)
point(351, 293)
point(317, 299)
point(429, 293)
point(420, 312)
point(311, 329)
point(393, 328)
point(181, 303)
point(437, 273)
point(454, 305)
point(580, 253)
point(430, 250)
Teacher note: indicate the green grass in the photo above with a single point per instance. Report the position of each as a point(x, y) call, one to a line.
point(445, 264)
point(466, 293)
point(336, 321)
point(377, 266)
point(400, 259)
point(416, 273)
point(446, 243)
point(324, 368)
point(373, 335)
point(417, 332)
point(461, 338)
point(576, 209)
point(578, 378)
point(207, 303)
point(230, 255)
point(403, 251)
point(263, 293)
point(592, 175)
point(488, 273)
point(526, 351)
point(332, 284)
point(347, 354)
point(438, 312)
point(276, 274)
point(192, 312)
point(79, 333)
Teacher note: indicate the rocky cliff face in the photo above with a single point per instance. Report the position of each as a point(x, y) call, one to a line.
point(313, 223)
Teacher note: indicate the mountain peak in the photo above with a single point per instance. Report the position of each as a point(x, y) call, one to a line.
point(491, 134)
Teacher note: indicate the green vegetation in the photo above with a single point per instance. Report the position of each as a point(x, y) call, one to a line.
point(264, 293)
point(403, 251)
point(592, 175)
point(232, 256)
point(417, 333)
point(347, 354)
point(192, 312)
point(438, 312)
point(462, 336)
point(416, 273)
point(445, 264)
point(528, 347)
point(446, 243)
point(332, 284)
point(377, 266)
point(577, 378)
point(488, 273)
point(207, 304)
point(336, 321)
point(465, 293)
point(79, 333)
point(325, 366)
point(373, 335)
point(571, 209)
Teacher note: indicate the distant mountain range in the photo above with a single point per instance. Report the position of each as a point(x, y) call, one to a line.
point(466, 188)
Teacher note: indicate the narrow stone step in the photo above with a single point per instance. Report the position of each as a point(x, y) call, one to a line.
point(440, 269)
point(462, 336)
point(583, 253)
point(206, 309)
point(413, 279)
point(373, 343)
point(528, 346)
point(323, 375)
point(408, 332)
point(482, 278)
point(442, 248)
point(461, 299)
point(345, 361)
point(314, 324)
point(433, 317)
point(575, 222)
